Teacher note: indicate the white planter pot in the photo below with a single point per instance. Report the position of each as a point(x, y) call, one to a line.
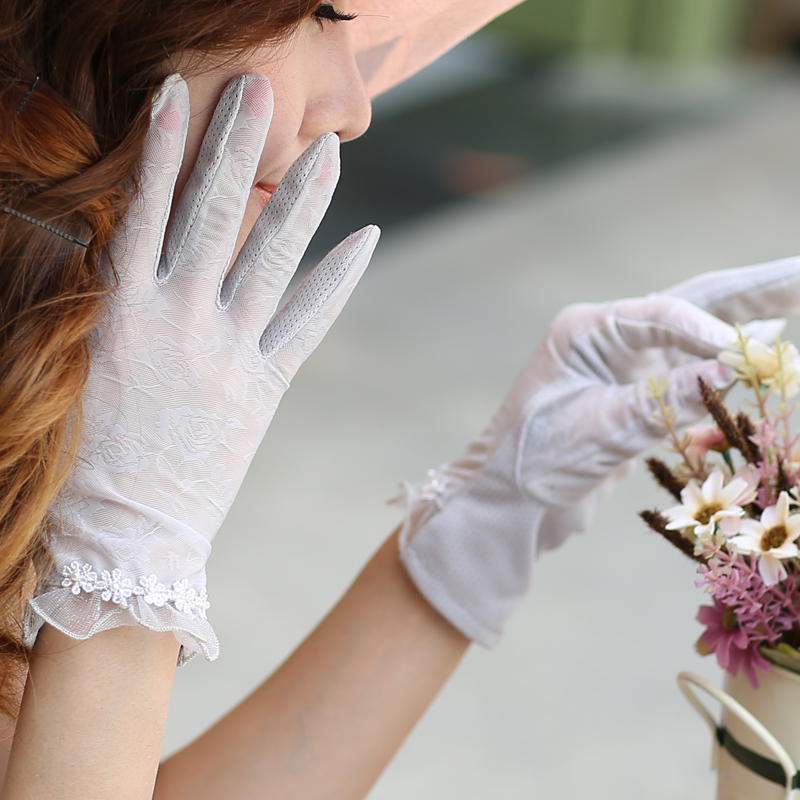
point(759, 732)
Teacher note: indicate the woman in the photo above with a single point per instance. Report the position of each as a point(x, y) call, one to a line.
point(106, 546)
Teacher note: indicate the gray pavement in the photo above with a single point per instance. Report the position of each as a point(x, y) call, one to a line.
point(580, 697)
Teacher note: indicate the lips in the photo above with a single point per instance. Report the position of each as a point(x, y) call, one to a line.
point(264, 192)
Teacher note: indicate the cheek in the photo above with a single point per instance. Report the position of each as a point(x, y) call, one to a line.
point(288, 78)
point(283, 145)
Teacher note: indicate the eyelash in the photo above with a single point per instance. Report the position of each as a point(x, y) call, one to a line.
point(327, 12)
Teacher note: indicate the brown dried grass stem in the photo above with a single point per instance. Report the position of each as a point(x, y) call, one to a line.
point(665, 477)
point(658, 522)
point(720, 415)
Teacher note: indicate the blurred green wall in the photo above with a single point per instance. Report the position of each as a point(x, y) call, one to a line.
point(683, 32)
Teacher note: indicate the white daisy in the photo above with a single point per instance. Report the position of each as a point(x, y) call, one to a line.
point(771, 539)
point(702, 509)
point(757, 364)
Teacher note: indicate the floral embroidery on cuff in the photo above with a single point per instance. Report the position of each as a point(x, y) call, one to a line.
point(115, 588)
point(79, 577)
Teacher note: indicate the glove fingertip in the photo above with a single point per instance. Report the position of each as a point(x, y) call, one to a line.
point(174, 90)
point(323, 292)
point(716, 374)
point(257, 96)
point(764, 330)
point(366, 240)
point(358, 249)
point(684, 380)
point(321, 162)
point(330, 145)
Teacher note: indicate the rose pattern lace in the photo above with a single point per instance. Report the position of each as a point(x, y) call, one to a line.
point(185, 377)
point(113, 587)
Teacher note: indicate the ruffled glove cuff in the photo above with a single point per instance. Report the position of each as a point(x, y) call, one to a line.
point(81, 600)
point(112, 567)
point(448, 540)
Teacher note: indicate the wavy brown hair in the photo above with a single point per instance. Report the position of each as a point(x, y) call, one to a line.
point(68, 150)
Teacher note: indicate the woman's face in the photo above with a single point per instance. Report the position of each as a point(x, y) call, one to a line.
point(317, 88)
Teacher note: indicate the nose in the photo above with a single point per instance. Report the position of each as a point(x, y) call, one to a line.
point(339, 102)
point(356, 107)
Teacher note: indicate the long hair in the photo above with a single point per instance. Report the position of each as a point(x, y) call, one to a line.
point(69, 154)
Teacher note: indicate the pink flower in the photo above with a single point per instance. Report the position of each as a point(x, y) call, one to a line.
point(766, 436)
point(702, 438)
point(730, 642)
point(765, 613)
point(753, 479)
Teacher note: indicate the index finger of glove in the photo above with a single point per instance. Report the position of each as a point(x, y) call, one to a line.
point(620, 341)
point(136, 247)
point(591, 434)
point(666, 322)
point(739, 295)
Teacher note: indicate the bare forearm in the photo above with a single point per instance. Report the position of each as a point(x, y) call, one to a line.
point(92, 718)
point(326, 724)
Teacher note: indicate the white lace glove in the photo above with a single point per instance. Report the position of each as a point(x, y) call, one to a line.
point(568, 432)
point(188, 368)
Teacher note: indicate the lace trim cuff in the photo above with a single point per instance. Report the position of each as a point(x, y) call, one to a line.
point(115, 588)
point(88, 601)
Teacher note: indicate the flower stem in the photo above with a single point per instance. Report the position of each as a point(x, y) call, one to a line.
point(656, 389)
point(760, 399)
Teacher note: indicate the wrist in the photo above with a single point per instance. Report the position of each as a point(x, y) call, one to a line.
point(95, 708)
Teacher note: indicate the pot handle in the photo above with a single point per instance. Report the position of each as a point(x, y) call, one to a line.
point(745, 717)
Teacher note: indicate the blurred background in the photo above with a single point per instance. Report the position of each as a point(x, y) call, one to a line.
point(575, 150)
point(550, 82)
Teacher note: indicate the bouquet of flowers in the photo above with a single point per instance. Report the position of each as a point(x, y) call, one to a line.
point(736, 481)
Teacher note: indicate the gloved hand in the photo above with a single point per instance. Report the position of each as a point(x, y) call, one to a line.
point(568, 432)
point(188, 368)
